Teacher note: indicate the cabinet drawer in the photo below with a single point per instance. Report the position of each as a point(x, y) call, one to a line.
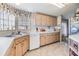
point(19, 40)
point(26, 37)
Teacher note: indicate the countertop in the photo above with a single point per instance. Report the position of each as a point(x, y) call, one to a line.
point(74, 37)
point(43, 32)
point(49, 32)
point(5, 43)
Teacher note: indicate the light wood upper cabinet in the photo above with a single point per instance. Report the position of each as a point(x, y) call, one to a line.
point(48, 21)
point(38, 19)
point(44, 20)
point(54, 21)
point(51, 21)
point(41, 20)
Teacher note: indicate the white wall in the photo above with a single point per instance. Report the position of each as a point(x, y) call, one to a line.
point(71, 12)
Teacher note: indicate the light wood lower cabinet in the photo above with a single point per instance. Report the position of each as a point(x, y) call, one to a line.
point(49, 38)
point(58, 36)
point(42, 40)
point(25, 46)
point(20, 46)
point(12, 51)
point(18, 49)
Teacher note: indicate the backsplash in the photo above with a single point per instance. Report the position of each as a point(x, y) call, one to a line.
point(42, 29)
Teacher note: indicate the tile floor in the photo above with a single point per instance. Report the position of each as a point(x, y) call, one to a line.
point(55, 49)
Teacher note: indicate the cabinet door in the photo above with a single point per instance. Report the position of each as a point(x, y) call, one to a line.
point(44, 20)
point(48, 39)
point(24, 46)
point(43, 40)
point(38, 19)
point(54, 21)
point(54, 38)
point(19, 49)
point(51, 38)
point(49, 21)
point(12, 51)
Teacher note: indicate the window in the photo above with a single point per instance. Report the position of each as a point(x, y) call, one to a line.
point(7, 21)
point(22, 22)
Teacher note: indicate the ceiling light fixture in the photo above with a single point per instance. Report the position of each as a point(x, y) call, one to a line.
point(60, 5)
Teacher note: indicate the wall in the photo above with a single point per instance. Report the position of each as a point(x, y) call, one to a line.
point(71, 12)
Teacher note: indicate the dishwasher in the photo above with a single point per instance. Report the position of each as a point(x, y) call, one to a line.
point(34, 40)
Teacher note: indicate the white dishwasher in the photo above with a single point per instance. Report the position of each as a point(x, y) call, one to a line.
point(34, 40)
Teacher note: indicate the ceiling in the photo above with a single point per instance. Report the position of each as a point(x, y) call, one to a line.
point(46, 8)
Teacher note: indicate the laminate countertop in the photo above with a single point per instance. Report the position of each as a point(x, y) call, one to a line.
point(74, 37)
point(49, 32)
point(5, 43)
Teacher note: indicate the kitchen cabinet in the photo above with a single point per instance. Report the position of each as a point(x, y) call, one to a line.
point(12, 51)
point(48, 21)
point(42, 40)
point(38, 19)
point(19, 49)
point(25, 45)
point(44, 20)
point(54, 37)
point(20, 46)
point(49, 38)
point(54, 21)
point(51, 21)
